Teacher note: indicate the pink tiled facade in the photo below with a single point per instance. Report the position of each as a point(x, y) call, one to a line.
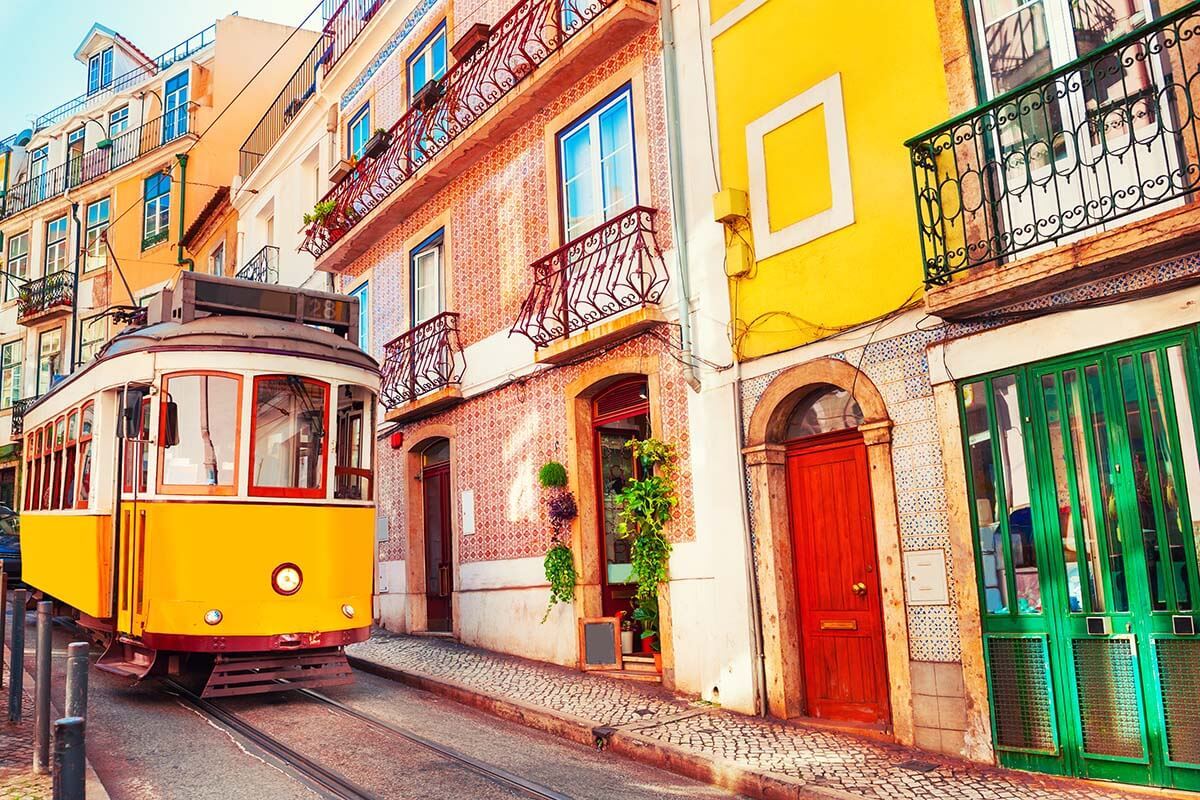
point(497, 223)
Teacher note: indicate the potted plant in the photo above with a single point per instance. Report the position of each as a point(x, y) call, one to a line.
point(377, 145)
point(647, 505)
point(561, 509)
point(320, 213)
point(428, 95)
point(626, 636)
point(472, 40)
point(342, 168)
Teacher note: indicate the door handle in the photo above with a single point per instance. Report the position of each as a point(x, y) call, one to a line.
point(443, 579)
point(859, 589)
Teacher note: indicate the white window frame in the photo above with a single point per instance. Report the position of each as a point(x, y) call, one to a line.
point(89, 346)
point(10, 372)
point(46, 359)
point(432, 248)
point(118, 122)
point(590, 123)
point(56, 248)
point(361, 117)
point(363, 292)
point(96, 254)
point(153, 222)
point(17, 264)
point(423, 57)
point(216, 259)
point(100, 68)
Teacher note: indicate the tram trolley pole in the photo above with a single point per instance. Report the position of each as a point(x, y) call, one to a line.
point(77, 679)
point(41, 706)
point(16, 664)
point(69, 763)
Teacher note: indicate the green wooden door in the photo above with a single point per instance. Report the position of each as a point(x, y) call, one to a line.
point(1100, 676)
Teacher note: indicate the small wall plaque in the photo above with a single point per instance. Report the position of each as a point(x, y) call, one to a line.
point(468, 512)
point(925, 576)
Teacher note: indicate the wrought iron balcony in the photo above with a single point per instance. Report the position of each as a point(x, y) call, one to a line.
point(344, 26)
point(529, 35)
point(18, 415)
point(185, 49)
point(296, 92)
point(608, 270)
point(88, 166)
point(424, 359)
point(264, 267)
point(41, 297)
point(1112, 134)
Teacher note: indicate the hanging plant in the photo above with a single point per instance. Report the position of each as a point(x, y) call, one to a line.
point(320, 212)
point(647, 505)
point(561, 509)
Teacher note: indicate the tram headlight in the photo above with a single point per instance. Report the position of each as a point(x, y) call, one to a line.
point(213, 616)
point(348, 610)
point(286, 579)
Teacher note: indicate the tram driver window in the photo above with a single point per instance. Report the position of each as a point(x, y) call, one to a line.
point(288, 441)
point(356, 410)
point(204, 460)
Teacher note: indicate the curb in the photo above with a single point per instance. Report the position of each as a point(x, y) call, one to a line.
point(628, 743)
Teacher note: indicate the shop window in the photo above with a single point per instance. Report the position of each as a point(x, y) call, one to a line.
point(288, 438)
point(204, 461)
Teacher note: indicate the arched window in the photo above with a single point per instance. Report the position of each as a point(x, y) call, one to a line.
point(826, 409)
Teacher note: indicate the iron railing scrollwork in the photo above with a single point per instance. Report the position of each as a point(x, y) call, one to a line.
point(185, 49)
point(85, 167)
point(423, 359)
point(529, 34)
point(1111, 134)
point(18, 414)
point(42, 294)
point(296, 92)
point(608, 270)
point(264, 267)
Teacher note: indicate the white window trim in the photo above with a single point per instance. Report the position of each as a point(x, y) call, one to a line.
point(591, 123)
point(840, 214)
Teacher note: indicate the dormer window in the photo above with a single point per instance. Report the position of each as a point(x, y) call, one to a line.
point(100, 70)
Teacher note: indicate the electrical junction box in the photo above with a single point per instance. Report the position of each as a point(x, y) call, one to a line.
point(739, 258)
point(730, 205)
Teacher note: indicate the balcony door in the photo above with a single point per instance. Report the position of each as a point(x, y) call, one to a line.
point(596, 166)
point(1086, 147)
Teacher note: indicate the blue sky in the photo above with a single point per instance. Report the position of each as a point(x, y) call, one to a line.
point(37, 71)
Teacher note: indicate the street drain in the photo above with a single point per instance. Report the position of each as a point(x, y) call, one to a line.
point(917, 766)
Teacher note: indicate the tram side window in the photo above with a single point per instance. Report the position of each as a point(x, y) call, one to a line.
point(86, 420)
point(56, 475)
point(209, 410)
point(356, 412)
point(288, 441)
point(69, 462)
point(31, 471)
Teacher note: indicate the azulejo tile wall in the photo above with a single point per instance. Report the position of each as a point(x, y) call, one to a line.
point(899, 368)
point(403, 33)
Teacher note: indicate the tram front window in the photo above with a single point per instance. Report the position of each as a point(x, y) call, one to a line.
point(288, 440)
point(209, 413)
point(356, 411)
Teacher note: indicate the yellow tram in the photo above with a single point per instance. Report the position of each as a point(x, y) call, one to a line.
point(201, 495)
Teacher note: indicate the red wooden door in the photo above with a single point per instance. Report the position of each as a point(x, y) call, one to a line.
point(439, 571)
point(837, 580)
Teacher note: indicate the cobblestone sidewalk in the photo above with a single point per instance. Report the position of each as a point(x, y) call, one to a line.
point(826, 763)
point(17, 779)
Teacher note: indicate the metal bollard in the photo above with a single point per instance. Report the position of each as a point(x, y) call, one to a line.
point(16, 664)
point(69, 762)
point(41, 687)
point(77, 679)
point(3, 609)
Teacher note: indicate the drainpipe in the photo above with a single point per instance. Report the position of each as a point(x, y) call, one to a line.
point(183, 159)
point(75, 290)
point(678, 202)
point(759, 668)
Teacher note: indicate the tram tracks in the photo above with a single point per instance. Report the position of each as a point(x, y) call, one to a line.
point(333, 784)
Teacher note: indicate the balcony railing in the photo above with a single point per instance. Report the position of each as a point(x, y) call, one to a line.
point(299, 88)
point(264, 267)
point(97, 162)
point(529, 34)
point(185, 49)
point(608, 270)
point(45, 294)
point(423, 359)
point(1111, 134)
point(344, 27)
point(18, 414)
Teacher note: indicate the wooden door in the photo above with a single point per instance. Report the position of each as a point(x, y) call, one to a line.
point(837, 580)
point(439, 571)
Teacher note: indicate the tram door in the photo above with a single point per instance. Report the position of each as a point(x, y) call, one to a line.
point(1091, 630)
point(131, 552)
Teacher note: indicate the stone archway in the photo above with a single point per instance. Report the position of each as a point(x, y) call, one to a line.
point(765, 461)
point(416, 610)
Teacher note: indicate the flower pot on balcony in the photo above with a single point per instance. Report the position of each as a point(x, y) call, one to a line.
point(428, 96)
point(471, 41)
point(377, 145)
point(340, 170)
point(104, 144)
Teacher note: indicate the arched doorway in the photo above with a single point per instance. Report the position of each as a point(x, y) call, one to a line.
point(619, 413)
point(438, 535)
point(835, 565)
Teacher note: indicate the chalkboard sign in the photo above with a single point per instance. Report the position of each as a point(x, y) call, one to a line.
point(600, 643)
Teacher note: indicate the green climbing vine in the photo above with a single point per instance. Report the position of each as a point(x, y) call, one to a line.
point(647, 505)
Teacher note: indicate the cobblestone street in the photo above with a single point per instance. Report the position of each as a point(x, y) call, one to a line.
point(823, 762)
